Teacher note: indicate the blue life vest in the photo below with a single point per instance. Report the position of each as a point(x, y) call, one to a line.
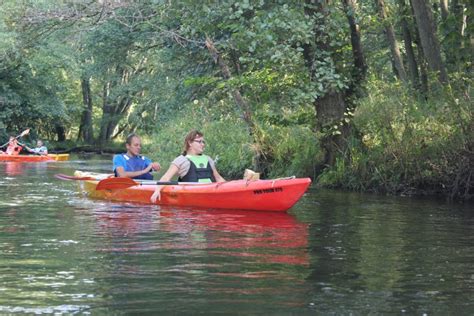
point(136, 163)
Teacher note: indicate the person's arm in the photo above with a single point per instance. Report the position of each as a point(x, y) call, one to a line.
point(217, 176)
point(155, 166)
point(169, 174)
point(131, 174)
point(120, 163)
point(38, 150)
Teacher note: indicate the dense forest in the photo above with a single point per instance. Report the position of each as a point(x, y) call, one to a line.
point(361, 95)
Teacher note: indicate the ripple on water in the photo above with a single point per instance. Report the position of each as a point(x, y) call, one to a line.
point(45, 310)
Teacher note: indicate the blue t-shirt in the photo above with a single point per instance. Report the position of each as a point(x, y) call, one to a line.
point(136, 163)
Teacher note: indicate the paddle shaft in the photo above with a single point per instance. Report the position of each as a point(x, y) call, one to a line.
point(119, 183)
point(68, 178)
point(21, 134)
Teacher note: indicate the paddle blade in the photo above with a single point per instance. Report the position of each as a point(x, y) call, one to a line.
point(70, 178)
point(25, 132)
point(116, 184)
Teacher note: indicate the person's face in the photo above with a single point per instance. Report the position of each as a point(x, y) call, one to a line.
point(197, 145)
point(39, 143)
point(135, 146)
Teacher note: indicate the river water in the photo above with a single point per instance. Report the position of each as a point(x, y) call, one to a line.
point(334, 253)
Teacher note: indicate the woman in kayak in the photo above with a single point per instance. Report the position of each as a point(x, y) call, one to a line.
point(131, 164)
point(191, 165)
point(40, 148)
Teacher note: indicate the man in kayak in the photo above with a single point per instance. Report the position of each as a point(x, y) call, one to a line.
point(131, 164)
point(40, 148)
point(191, 165)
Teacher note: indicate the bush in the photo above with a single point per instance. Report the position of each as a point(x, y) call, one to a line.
point(409, 146)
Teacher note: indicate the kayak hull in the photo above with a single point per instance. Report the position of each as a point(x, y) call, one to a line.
point(276, 195)
point(34, 158)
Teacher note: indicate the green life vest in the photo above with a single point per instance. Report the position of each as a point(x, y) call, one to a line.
point(199, 171)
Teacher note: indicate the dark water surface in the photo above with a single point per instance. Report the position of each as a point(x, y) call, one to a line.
point(333, 253)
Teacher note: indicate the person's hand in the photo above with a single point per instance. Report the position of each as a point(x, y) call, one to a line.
point(156, 195)
point(155, 166)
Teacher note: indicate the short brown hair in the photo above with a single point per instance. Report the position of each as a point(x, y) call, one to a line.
point(130, 137)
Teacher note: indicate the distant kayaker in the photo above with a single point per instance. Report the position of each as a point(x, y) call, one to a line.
point(40, 148)
point(191, 165)
point(131, 164)
point(13, 147)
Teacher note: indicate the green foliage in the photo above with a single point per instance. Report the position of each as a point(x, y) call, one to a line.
point(293, 150)
point(409, 146)
point(153, 54)
point(291, 147)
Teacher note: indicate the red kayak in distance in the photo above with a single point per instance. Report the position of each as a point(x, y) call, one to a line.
point(34, 158)
point(275, 195)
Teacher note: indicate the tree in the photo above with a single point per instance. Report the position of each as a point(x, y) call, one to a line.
point(360, 65)
point(413, 72)
point(86, 131)
point(393, 43)
point(429, 41)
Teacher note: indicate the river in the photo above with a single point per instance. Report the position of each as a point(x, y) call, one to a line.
point(333, 253)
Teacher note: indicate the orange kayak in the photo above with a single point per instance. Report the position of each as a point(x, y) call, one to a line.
point(261, 195)
point(34, 158)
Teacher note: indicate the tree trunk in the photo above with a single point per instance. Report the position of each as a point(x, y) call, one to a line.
point(113, 110)
point(108, 115)
point(331, 106)
point(423, 72)
point(60, 132)
point(424, 87)
point(330, 112)
point(85, 128)
point(443, 4)
point(407, 39)
point(458, 49)
point(357, 50)
point(429, 41)
point(390, 33)
point(111, 118)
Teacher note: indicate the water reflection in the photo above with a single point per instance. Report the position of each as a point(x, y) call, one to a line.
point(267, 237)
point(13, 168)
